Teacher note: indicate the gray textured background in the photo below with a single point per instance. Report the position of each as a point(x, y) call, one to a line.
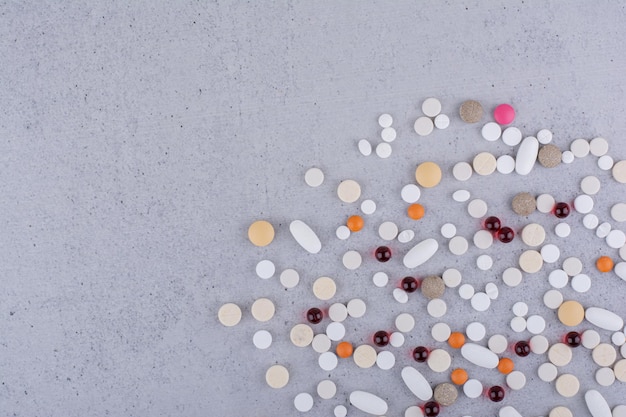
point(139, 141)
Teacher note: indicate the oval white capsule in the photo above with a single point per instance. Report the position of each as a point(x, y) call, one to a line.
point(604, 319)
point(596, 404)
point(479, 355)
point(526, 155)
point(305, 236)
point(420, 253)
point(417, 383)
point(368, 403)
point(508, 411)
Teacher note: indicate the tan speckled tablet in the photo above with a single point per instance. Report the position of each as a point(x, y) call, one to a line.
point(571, 313)
point(364, 356)
point(445, 394)
point(301, 335)
point(324, 288)
point(261, 233)
point(433, 287)
point(277, 376)
point(549, 156)
point(484, 163)
point(428, 174)
point(229, 314)
point(524, 204)
point(471, 111)
point(567, 385)
point(262, 309)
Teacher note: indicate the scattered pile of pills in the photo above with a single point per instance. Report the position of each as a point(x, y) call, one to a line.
point(542, 254)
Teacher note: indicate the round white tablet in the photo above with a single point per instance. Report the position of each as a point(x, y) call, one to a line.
point(451, 277)
point(406, 236)
point(442, 121)
point(440, 332)
point(498, 344)
point(431, 107)
point(342, 232)
point(580, 148)
point(383, 150)
point(583, 204)
point(544, 136)
point(603, 230)
point(436, 307)
point(388, 134)
point(590, 221)
point(618, 212)
point(605, 377)
point(388, 231)
point(352, 260)
point(400, 295)
point(545, 203)
point(616, 239)
point(466, 291)
point(533, 234)
point(520, 309)
point(505, 164)
point(321, 343)
point(622, 252)
point(518, 324)
point(590, 338)
point(558, 278)
point(539, 344)
point(535, 324)
point(572, 266)
point(423, 126)
point(335, 331)
point(349, 191)
point(326, 389)
point(491, 290)
point(229, 314)
point(512, 136)
point(567, 385)
point(265, 269)
point(356, 308)
point(477, 208)
point(458, 245)
point(483, 239)
point(475, 331)
point(462, 171)
point(368, 207)
point(385, 120)
point(365, 147)
point(550, 253)
point(314, 177)
point(289, 278)
point(439, 360)
point(568, 157)
point(461, 196)
point(619, 172)
point(480, 301)
point(410, 193)
point(405, 322)
point(484, 262)
point(473, 388)
point(396, 339)
point(337, 312)
point(605, 162)
point(598, 146)
point(590, 185)
point(491, 131)
point(512, 277)
point(581, 283)
point(448, 230)
point(560, 354)
point(619, 411)
point(547, 372)
point(484, 163)
point(385, 360)
point(562, 230)
point(553, 299)
point(303, 402)
point(262, 339)
point(516, 380)
point(618, 338)
point(340, 411)
point(380, 279)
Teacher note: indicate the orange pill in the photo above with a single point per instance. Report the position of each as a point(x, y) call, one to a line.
point(506, 366)
point(604, 264)
point(415, 211)
point(459, 376)
point(344, 349)
point(355, 223)
point(456, 340)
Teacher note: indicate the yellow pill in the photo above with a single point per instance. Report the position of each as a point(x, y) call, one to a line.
point(261, 233)
point(571, 313)
point(428, 174)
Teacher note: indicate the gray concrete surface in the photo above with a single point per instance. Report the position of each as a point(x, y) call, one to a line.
point(140, 139)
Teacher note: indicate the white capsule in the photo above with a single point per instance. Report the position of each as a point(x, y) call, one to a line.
point(368, 403)
point(526, 155)
point(417, 383)
point(420, 253)
point(596, 404)
point(620, 270)
point(508, 411)
point(604, 319)
point(479, 355)
point(305, 236)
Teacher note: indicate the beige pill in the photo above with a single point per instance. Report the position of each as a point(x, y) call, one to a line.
point(301, 335)
point(277, 376)
point(471, 111)
point(604, 354)
point(349, 191)
point(619, 172)
point(533, 234)
point(484, 163)
point(428, 174)
point(567, 385)
point(229, 314)
point(261, 233)
point(433, 287)
point(524, 204)
point(561, 412)
point(262, 309)
point(439, 360)
point(549, 156)
point(324, 288)
point(364, 356)
point(620, 370)
point(571, 313)
point(560, 354)
point(445, 394)
point(531, 261)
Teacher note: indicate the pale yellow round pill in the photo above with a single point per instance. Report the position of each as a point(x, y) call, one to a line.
point(428, 174)
point(262, 309)
point(567, 385)
point(604, 354)
point(571, 313)
point(561, 412)
point(533, 234)
point(301, 335)
point(324, 288)
point(560, 354)
point(484, 163)
point(229, 314)
point(619, 172)
point(277, 376)
point(261, 233)
point(349, 191)
point(531, 261)
point(364, 356)
point(620, 370)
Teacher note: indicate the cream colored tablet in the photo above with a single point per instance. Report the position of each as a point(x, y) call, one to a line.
point(326, 389)
point(439, 360)
point(349, 191)
point(261, 233)
point(301, 335)
point(560, 354)
point(229, 314)
point(277, 376)
point(423, 126)
point(431, 107)
point(324, 288)
point(620, 370)
point(405, 322)
point(484, 163)
point(314, 177)
point(533, 234)
point(571, 313)
point(263, 309)
point(547, 372)
point(618, 212)
point(604, 354)
point(428, 174)
point(539, 344)
point(531, 261)
point(560, 412)
point(567, 385)
point(364, 356)
point(619, 172)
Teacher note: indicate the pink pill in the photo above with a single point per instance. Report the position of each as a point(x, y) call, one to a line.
point(504, 114)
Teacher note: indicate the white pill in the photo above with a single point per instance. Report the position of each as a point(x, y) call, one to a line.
point(483, 239)
point(498, 344)
point(616, 239)
point(356, 308)
point(365, 147)
point(560, 354)
point(520, 309)
point(417, 383)
point(385, 120)
point(620, 270)
point(558, 278)
point(572, 266)
point(461, 196)
point(479, 355)
point(596, 404)
point(342, 232)
point(619, 369)
point(562, 230)
point(473, 388)
point(410, 193)
point(480, 301)
point(349, 191)
point(516, 380)
point(289, 278)
point(518, 324)
point(604, 319)
point(439, 360)
point(462, 171)
point(314, 177)
point(305, 236)
point(484, 262)
point(383, 150)
point(420, 253)
point(368, 403)
point(475, 331)
point(583, 204)
point(598, 146)
point(535, 324)
point(413, 411)
point(262, 339)
point(533, 234)
point(440, 332)
point(553, 299)
point(436, 308)
point(544, 136)
point(568, 157)
point(442, 121)
point(605, 377)
point(605, 162)
point(396, 339)
point(560, 412)
point(526, 155)
point(385, 360)
point(505, 164)
point(326, 389)
point(400, 295)
point(590, 185)
point(352, 260)
point(338, 312)
point(545, 203)
point(581, 283)
point(448, 230)
point(590, 221)
point(388, 231)
point(590, 338)
point(368, 207)
point(491, 131)
point(340, 411)
point(405, 322)
point(303, 402)
point(335, 331)
point(321, 343)
point(539, 344)
point(550, 253)
point(491, 290)
point(388, 134)
point(512, 136)
point(547, 372)
point(265, 269)
point(603, 230)
point(530, 261)
point(619, 411)
point(580, 148)
point(423, 126)
point(604, 354)
point(406, 236)
point(512, 277)
point(618, 212)
point(508, 411)
point(328, 361)
point(431, 107)
point(380, 279)
point(477, 208)
point(466, 291)
point(451, 277)
point(622, 254)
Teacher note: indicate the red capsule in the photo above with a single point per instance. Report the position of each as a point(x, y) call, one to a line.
point(432, 409)
point(522, 348)
point(314, 315)
point(420, 354)
point(505, 235)
point(381, 338)
point(492, 224)
point(573, 339)
point(496, 393)
point(382, 253)
point(561, 210)
point(409, 284)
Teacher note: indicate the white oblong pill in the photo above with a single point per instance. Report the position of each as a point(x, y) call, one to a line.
point(479, 355)
point(526, 155)
point(620, 270)
point(508, 411)
point(365, 147)
point(368, 403)
point(596, 404)
point(305, 236)
point(420, 253)
point(604, 319)
point(417, 383)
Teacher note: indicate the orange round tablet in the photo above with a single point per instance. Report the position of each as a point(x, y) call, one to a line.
point(506, 366)
point(355, 223)
point(604, 264)
point(459, 376)
point(456, 340)
point(344, 349)
point(415, 211)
